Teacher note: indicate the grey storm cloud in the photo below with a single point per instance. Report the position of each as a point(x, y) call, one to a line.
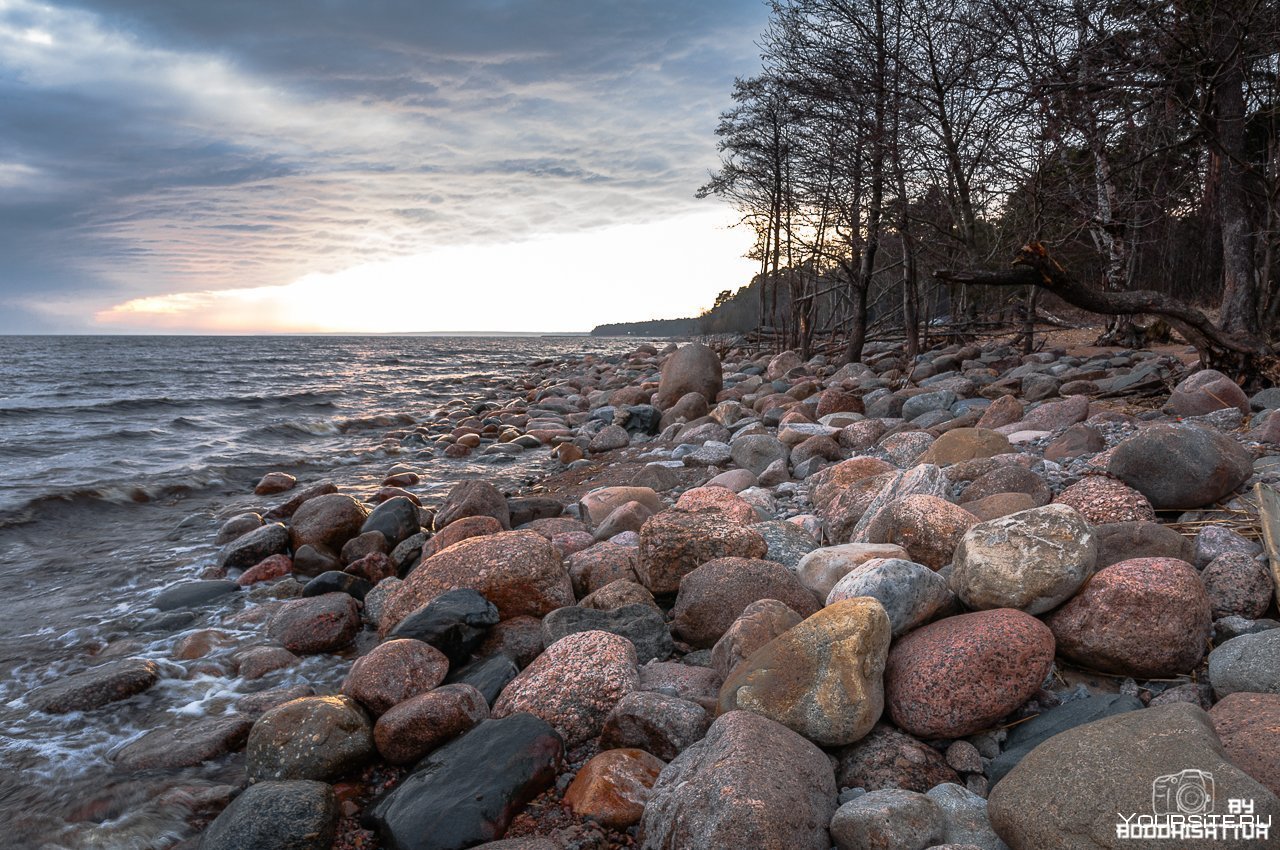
point(153, 147)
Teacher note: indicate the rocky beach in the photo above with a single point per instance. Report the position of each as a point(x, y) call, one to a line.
point(982, 599)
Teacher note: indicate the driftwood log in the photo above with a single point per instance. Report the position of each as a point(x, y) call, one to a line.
point(1244, 357)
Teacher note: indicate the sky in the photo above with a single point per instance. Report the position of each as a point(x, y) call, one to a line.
point(322, 166)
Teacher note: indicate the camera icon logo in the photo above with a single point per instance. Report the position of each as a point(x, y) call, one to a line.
point(1189, 792)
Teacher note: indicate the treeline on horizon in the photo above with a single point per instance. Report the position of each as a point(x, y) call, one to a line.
point(885, 139)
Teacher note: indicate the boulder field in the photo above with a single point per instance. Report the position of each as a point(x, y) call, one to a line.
point(758, 601)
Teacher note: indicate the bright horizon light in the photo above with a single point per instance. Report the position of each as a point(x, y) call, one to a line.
point(564, 282)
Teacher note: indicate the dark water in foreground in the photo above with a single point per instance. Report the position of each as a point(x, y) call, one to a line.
point(118, 457)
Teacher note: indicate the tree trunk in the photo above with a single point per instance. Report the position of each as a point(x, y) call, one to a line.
point(1240, 354)
point(1240, 283)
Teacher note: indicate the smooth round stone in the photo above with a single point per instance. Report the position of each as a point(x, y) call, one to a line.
point(822, 678)
point(94, 688)
point(394, 672)
point(821, 569)
point(317, 624)
point(712, 596)
point(1102, 500)
point(298, 815)
point(961, 444)
point(656, 723)
point(1249, 726)
point(1148, 617)
point(412, 728)
point(759, 623)
point(911, 593)
point(187, 744)
point(961, 674)
point(613, 787)
point(887, 758)
point(1238, 586)
point(1181, 467)
point(1032, 560)
point(675, 543)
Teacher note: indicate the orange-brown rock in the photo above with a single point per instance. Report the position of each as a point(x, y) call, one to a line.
point(613, 787)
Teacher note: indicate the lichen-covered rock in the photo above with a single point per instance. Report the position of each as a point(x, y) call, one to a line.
point(821, 678)
point(1033, 560)
point(309, 738)
point(316, 624)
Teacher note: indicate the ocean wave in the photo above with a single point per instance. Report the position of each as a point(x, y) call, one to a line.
point(306, 398)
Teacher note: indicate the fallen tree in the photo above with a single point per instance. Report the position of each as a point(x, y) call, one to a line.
point(1246, 358)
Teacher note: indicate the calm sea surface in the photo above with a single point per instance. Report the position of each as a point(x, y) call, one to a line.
point(119, 456)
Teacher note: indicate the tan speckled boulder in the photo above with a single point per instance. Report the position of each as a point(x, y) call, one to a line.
point(822, 678)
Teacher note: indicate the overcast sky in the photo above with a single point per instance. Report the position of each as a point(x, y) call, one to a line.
point(322, 165)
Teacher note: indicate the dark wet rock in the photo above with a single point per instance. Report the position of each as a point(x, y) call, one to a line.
point(712, 795)
point(412, 728)
point(288, 509)
point(656, 723)
point(1181, 467)
point(641, 624)
point(473, 498)
point(318, 624)
point(887, 758)
point(309, 738)
point(524, 509)
point(487, 675)
point(95, 688)
point(362, 545)
point(236, 527)
point(1025, 737)
point(312, 560)
point(189, 743)
point(261, 543)
point(192, 594)
point(337, 581)
point(455, 623)
point(468, 791)
point(258, 661)
point(519, 638)
point(297, 815)
point(330, 520)
point(396, 518)
point(261, 702)
point(273, 483)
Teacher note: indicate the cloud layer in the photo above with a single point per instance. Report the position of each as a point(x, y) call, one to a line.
point(149, 149)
